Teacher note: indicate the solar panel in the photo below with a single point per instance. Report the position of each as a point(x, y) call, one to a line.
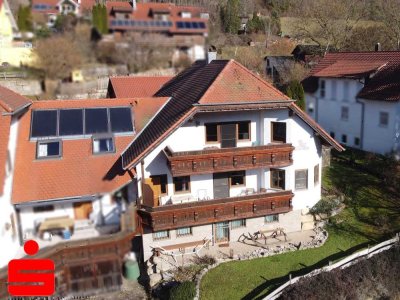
point(188, 25)
point(202, 25)
point(44, 123)
point(96, 120)
point(71, 122)
point(195, 25)
point(180, 25)
point(121, 119)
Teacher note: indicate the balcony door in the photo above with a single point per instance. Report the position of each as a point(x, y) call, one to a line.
point(221, 185)
point(222, 232)
point(228, 135)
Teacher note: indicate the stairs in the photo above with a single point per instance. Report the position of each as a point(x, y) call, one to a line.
point(307, 220)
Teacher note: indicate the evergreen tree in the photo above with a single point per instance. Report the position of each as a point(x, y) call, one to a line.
point(295, 91)
point(255, 24)
point(230, 16)
point(24, 20)
point(99, 18)
point(104, 20)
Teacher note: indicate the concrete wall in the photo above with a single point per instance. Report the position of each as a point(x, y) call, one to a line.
point(25, 87)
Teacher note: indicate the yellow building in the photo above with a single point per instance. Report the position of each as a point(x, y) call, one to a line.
point(12, 52)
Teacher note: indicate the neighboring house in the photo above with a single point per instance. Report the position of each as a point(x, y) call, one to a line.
point(63, 160)
point(356, 97)
point(185, 27)
point(135, 86)
point(227, 154)
point(52, 8)
point(12, 52)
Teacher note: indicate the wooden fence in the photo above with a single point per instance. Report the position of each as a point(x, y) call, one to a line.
point(344, 263)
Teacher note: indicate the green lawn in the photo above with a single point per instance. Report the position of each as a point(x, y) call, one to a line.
point(360, 224)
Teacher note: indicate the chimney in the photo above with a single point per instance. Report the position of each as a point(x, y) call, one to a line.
point(211, 54)
point(133, 5)
point(378, 47)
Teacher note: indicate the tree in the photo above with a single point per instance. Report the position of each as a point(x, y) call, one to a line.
point(57, 56)
point(100, 18)
point(295, 91)
point(389, 14)
point(230, 16)
point(255, 24)
point(328, 23)
point(24, 19)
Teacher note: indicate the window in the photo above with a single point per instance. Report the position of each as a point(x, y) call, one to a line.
point(345, 91)
point(238, 223)
point(103, 145)
point(333, 90)
point(182, 184)
point(278, 132)
point(183, 231)
point(162, 181)
point(161, 235)
point(211, 133)
point(344, 138)
point(301, 179)
point(357, 141)
point(345, 113)
point(44, 208)
point(48, 149)
point(238, 178)
point(271, 218)
point(71, 122)
point(322, 89)
point(278, 179)
point(383, 119)
point(316, 174)
point(44, 123)
point(332, 134)
point(244, 130)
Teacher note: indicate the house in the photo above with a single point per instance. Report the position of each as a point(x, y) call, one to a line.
point(355, 96)
point(52, 8)
point(184, 27)
point(227, 154)
point(61, 160)
point(12, 51)
point(135, 86)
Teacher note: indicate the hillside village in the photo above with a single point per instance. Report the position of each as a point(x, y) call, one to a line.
point(201, 149)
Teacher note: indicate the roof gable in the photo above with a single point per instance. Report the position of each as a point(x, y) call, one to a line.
point(135, 86)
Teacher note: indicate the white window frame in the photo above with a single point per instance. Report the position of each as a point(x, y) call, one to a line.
point(98, 152)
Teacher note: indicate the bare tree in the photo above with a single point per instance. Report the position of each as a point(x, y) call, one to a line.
point(389, 15)
point(328, 23)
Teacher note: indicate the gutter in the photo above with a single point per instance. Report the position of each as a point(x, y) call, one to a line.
point(16, 111)
point(51, 201)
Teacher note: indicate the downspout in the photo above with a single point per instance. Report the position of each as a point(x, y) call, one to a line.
point(142, 181)
point(362, 123)
point(20, 237)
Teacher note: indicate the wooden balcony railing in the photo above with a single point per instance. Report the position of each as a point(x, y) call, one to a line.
point(228, 159)
point(210, 211)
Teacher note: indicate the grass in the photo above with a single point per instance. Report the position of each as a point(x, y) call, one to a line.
point(360, 224)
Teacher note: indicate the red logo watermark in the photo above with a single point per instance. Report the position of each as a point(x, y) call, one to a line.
point(31, 277)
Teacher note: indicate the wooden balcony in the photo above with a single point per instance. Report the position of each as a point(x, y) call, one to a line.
point(210, 211)
point(229, 159)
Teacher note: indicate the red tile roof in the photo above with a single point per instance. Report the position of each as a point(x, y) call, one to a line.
point(12, 102)
point(5, 122)
point(383, 66)
point(78, 172)
point(144, 12)
point(135, 86)
point(221, 82)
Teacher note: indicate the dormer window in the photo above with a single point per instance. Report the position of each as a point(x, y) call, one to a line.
point(103, 145)
point(48, 149)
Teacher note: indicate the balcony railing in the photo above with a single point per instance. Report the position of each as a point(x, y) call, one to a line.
point(210, 211)
point(228, 159)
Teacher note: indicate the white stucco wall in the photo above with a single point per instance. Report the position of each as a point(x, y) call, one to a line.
point(327, 110)
point(377, 138)
point(8, 240)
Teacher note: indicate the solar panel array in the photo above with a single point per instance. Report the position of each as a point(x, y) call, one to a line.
point(42, 7)
point(190, 25)
point(133, 23)
point(75, 122)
